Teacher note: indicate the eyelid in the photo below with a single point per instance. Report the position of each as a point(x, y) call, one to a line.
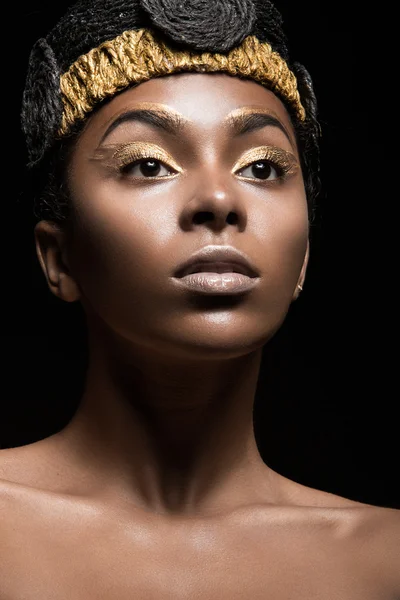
point(121, 155)
point(277, 156)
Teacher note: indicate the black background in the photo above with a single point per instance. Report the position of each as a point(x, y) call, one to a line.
point(325, 412)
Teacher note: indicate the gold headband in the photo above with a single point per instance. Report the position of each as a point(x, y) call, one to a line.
point(136, 56)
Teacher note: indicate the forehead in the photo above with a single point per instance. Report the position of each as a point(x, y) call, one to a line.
point(203, 99)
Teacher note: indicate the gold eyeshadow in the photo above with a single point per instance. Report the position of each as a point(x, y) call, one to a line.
point(285, 161)
point(118, 156)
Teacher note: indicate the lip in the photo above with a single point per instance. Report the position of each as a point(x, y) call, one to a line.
point(220, 284)
point(217, 260)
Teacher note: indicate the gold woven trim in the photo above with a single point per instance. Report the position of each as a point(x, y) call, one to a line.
point(136, 56)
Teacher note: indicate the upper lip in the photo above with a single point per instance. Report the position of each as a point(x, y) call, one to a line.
point(220, 257)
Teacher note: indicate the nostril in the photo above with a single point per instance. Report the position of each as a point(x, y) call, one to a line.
point(202, 217)
point(232, 218)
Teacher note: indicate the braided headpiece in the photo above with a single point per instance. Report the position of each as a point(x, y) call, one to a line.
point(101, 47)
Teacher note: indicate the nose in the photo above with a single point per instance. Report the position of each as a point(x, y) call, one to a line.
point(214, 203)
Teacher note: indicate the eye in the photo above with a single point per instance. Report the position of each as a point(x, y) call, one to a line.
point(147, 167)
point(266, 164)
point(262, 169)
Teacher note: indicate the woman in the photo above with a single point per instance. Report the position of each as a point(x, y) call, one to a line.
point(175, 152)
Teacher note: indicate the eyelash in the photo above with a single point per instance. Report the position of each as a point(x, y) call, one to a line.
point(280, 170)
point(126, 167)
point(132, 155)
point(282, 161)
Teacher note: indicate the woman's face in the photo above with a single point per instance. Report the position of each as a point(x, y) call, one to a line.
point(209, 160)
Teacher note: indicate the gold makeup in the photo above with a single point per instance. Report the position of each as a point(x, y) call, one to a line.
point(245, 119)
point(119, 156)
point(283, 161)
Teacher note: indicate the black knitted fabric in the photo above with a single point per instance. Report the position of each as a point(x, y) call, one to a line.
point(268, 27)
point(214, 26)
point(308, 134)
point(88, 23)
point(200, 24)
point(42, 105)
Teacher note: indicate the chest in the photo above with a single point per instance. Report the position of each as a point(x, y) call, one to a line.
point(82, 562)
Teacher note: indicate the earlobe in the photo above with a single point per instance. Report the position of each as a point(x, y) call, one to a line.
point(50, 241)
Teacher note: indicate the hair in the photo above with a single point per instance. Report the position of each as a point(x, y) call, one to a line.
point(195, 25)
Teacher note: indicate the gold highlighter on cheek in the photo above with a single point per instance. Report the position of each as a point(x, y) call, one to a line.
point(285, 162)
point(119, 156)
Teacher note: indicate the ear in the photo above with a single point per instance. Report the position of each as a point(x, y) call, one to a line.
point(302, 276)
point(51, 248)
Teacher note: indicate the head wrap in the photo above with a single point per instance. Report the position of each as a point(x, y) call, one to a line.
point(101, 47)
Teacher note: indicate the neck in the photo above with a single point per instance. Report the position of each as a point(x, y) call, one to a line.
point(172, 434)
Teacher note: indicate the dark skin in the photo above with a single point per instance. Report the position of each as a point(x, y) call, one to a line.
point(163, 440)
point(171, 386)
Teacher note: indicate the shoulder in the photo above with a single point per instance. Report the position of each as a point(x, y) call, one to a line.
point(23, 478)
point(368, 533)
point(36, 465)
point(18, 473)
point(378, 533)
point(16, 463)
point(34, 495)
point(372, 537)
point(371, 534)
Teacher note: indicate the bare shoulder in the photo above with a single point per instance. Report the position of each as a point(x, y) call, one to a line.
point(379, 534)
point(35, 491)
point(10, 508)
point(19, 471)
point(371, 536)
point(41, 465)
point(24, 470)
point(16, 464)
point(371, 533)
point(374, 540)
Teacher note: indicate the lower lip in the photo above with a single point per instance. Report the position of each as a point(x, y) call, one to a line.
point(218, 283)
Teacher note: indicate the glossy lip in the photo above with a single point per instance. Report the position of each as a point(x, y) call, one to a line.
point(213, 256)
point(220, 284)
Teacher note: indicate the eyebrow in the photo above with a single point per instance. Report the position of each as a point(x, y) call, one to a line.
point(169, 122)
point(247, 122)
point(241, 121)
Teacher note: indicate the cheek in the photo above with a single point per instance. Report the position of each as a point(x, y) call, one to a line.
point(282, 229)
point(289, 244)
point(120, 247)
